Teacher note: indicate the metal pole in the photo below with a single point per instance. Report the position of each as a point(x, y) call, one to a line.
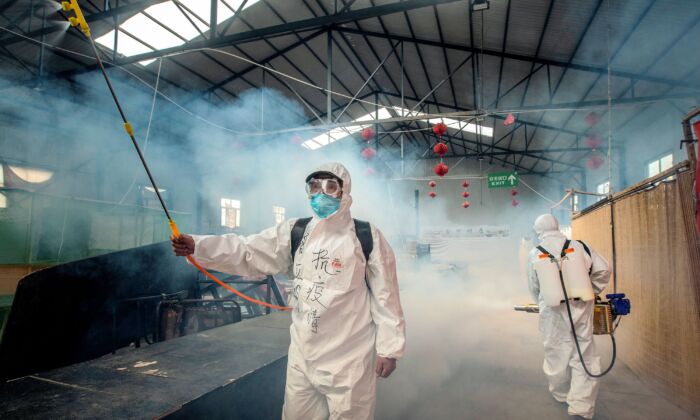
point(376, 117)
point(403, 166)
point(116, 30)
point(43, 37)
point(329, 77)
point(128, 128)
point(213, 18)
point(416, 201)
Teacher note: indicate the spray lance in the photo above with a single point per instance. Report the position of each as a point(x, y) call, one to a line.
point(79, 21)
point(605, 313)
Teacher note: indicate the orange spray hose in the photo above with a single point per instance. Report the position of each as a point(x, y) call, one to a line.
point(176, 232)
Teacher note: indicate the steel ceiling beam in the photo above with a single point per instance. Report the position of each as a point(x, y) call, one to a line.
point(498, 117)
point(286, 28)
point(521, 57)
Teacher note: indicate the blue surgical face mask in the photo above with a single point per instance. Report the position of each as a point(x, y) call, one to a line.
point(324, 205)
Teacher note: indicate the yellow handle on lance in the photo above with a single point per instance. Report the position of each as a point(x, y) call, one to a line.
point(79, 19)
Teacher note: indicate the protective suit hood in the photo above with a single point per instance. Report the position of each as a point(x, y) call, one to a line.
point(341, 172)
point(546, 225)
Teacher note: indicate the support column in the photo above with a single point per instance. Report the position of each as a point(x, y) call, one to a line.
point(329, 77)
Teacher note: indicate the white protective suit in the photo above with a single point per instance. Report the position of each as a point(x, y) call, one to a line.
point(340, 322)
point(568, 382)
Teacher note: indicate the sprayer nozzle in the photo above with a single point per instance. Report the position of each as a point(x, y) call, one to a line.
point(78, 19)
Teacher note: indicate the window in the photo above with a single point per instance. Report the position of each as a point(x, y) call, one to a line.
point(3, 201)
point(230, 213)
point(278, 212)
point(2, 176)
point(603, 188)
point(31, 175)
point(576, 201)
point(659, 165)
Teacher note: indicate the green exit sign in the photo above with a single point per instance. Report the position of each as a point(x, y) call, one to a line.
point(503, 179)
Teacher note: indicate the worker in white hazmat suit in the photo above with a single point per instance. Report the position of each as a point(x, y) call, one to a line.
point(347, 322)
point(568, 382)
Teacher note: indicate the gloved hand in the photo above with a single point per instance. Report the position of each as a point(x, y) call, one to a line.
point(385, 366)
point(183, 245)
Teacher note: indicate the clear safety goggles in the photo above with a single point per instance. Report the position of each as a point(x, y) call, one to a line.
point(331, 187)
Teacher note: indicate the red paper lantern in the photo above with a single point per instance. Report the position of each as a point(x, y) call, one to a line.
point(432, 194)
point(432, 184)
point(465, 204)
point(440, 149)
point(465, 184)
point(370, 171)
point(513, 192)
point(592, 119)
point(465, 194)
point(368, 153)
point(510, 119)
point(441, 169)
point(594, 162)
point(514, 202)
point(440, 129)
point(593, 141)
point(367, 133)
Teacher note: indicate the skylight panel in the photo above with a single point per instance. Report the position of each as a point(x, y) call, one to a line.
point(150, 32)
point(170, 15)
point(126, 45)
point(449, 122)
point(340, 133)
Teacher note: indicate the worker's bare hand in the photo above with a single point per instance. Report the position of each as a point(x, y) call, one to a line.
point(183, 245)
point(385, 365)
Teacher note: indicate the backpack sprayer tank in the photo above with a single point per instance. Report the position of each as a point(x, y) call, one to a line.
point(604, 315)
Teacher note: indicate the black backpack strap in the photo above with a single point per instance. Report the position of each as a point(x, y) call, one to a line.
point(363, 230)
point(586, 248)
point(588, 251)
point(566, 246)
point(544, 251)
point(298, 233)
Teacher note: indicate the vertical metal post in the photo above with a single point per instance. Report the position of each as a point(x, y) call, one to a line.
point(403, 166)
point(43, 37)
point(329, 78)
point(268, 293)
point(116, 29)
point(213, 18)
point(416, 201)
point(31, 15)
point(376, 118)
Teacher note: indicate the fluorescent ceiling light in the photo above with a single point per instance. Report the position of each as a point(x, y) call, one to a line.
point(449, 122)
point(149, 35)
point(336, 134)
point(480, 5)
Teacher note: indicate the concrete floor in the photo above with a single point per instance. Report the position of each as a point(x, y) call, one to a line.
point(470, 356)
